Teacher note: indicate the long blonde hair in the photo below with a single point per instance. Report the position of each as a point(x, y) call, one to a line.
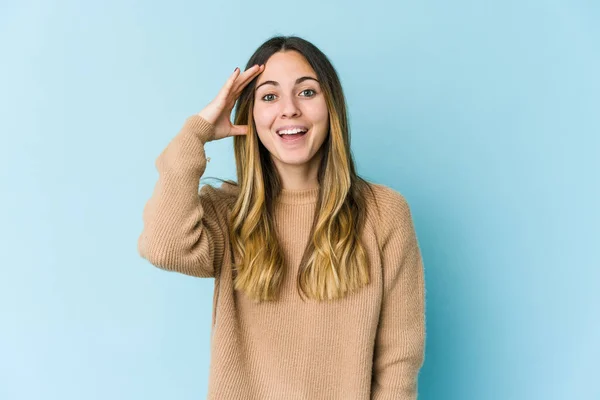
point(334, 262)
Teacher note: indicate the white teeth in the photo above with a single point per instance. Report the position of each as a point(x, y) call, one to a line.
point(291, 131)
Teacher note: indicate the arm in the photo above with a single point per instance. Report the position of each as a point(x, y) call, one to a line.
point(182, 231)
point(400, 340)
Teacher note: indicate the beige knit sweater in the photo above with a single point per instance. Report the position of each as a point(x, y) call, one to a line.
point(368, 345)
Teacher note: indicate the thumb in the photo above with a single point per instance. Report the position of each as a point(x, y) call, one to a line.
point(239, 129)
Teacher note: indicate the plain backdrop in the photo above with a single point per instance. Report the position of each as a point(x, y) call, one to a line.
point(485, 115)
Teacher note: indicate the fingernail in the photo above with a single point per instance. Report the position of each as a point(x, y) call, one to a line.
point(236, 68)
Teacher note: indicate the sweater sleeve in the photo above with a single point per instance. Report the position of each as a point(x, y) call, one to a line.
point(182, 231)
point(400, 339)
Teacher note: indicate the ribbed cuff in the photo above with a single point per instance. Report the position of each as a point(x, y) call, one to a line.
point(201, 127)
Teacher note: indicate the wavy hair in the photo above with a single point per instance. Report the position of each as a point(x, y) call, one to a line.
point(334, 262)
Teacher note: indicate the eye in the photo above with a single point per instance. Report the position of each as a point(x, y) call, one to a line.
point(269, 99)
point(264, 97)
point(309, 90)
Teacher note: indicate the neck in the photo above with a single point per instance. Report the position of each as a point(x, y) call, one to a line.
point(299, 196)
point(299, 177)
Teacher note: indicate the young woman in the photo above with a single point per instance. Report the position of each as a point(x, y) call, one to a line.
point(319, 281)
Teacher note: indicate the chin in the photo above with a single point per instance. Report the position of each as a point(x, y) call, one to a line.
point(293, 160)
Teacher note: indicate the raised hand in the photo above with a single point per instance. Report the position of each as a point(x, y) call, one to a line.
point(218, 111)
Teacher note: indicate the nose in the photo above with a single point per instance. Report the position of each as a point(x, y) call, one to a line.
point(289, 108)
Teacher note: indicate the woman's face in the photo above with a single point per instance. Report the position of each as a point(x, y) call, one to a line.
point(288, 94)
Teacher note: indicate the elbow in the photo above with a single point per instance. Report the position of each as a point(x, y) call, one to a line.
point(173, 259)
point(152, 253)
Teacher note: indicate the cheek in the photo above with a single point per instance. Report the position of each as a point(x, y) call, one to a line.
point(263, 116)
point(257, 116)
point(318, 112)
point(263, 122)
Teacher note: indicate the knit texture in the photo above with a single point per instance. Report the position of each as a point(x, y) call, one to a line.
point(368, 345)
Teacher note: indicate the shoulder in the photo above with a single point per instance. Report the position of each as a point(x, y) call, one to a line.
point(225, 189)
point(390, 209)
point(389, 201)
point(220, 197)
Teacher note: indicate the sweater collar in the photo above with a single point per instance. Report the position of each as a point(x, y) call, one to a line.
point(302, 196)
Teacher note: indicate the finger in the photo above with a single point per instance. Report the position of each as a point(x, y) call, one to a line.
point(251, 74)
point(226, 89)
point(246, 78)
point(250, 71)
point(239, 130)
point(241, 81)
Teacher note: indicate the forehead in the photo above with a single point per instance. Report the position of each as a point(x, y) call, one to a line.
point(286, 67)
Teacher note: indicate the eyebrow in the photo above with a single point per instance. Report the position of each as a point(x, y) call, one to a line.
point(298, 81)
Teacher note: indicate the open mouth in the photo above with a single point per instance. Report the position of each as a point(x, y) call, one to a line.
point(292, 134)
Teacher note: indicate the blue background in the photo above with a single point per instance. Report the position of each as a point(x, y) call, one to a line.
point(485, 115)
